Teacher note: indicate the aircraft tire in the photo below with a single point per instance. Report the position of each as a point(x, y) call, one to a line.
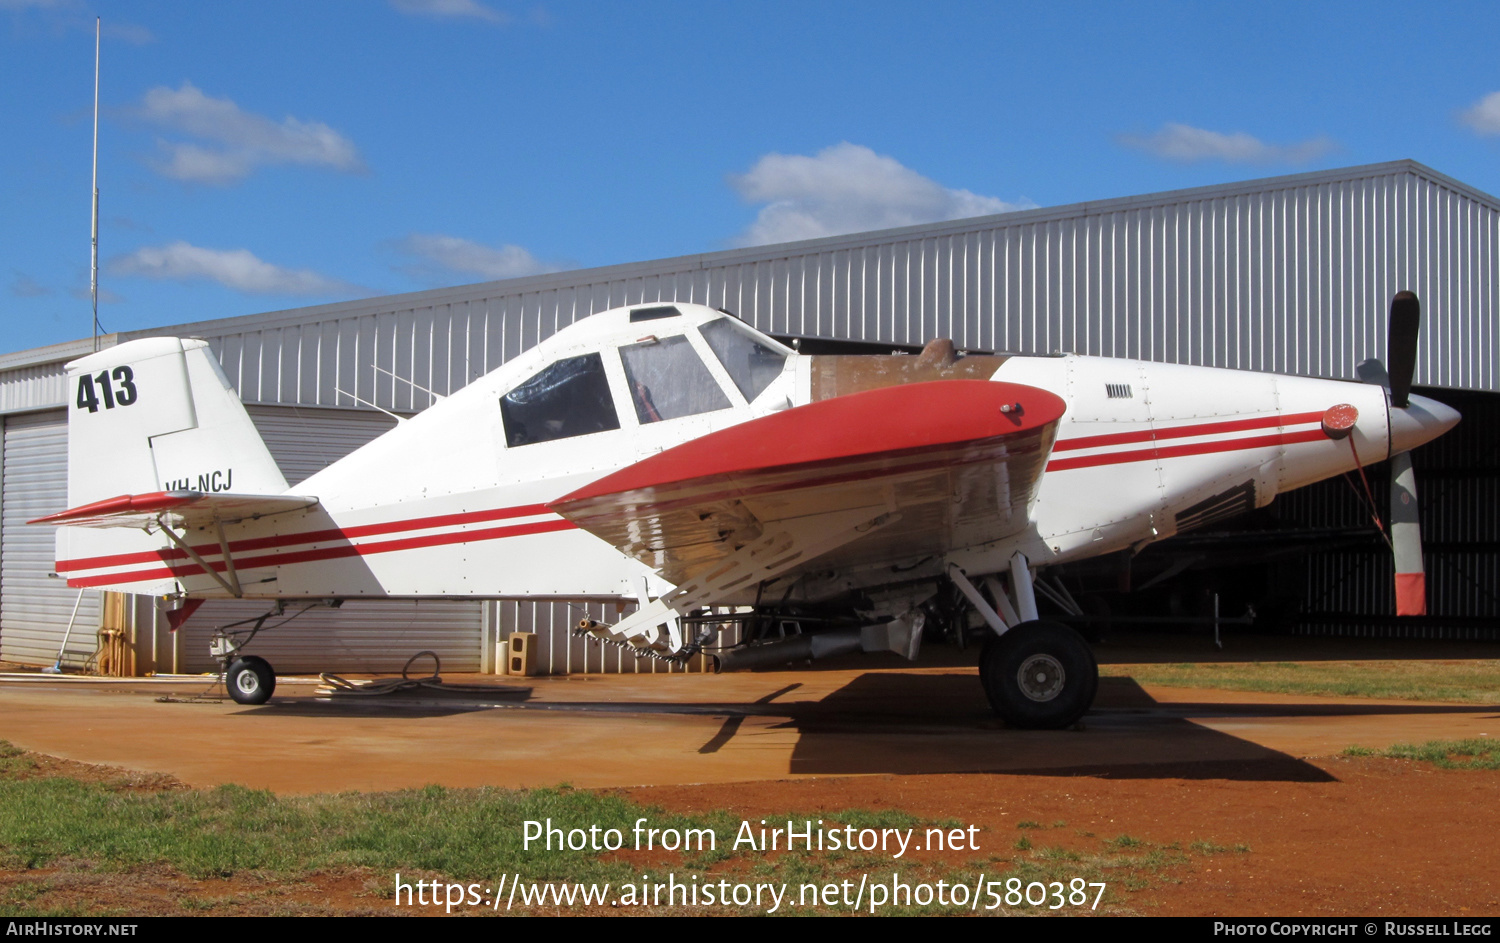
point(1039, 676)
point(250, 680)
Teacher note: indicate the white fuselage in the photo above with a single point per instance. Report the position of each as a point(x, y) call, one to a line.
point(443, 505)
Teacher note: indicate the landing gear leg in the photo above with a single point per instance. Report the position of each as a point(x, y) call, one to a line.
point(1036, 674)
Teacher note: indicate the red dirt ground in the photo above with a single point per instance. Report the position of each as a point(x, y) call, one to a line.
point(1327, 835)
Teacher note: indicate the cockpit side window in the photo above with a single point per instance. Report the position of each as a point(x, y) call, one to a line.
point(751, 364)
point(668, 381)
point(568, 398)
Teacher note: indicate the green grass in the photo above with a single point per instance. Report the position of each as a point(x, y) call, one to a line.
point(223, 831)
point(1210, 848)
point(1466, 682)
point(1475, 753)
point(123, 838)
point(13, 761)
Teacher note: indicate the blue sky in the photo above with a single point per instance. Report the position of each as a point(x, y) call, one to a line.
point(266, 155)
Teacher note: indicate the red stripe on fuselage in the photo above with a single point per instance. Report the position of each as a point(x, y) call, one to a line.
point(307, 537)
point(1182, 432)
point(1177, 451)
point(328, 553)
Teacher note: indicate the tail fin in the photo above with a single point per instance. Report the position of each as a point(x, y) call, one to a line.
point(158, 415)
point(151, 416)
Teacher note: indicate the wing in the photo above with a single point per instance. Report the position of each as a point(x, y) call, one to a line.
point(181, 508)
point(901, 472)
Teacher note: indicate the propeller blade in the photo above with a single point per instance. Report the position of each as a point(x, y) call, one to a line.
point(1406, 528)
point(1373, 371)
point(1406, 539)
point(1401, 345)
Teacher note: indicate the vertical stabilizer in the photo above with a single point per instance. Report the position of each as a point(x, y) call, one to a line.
point(145, 417)
point(158, 415)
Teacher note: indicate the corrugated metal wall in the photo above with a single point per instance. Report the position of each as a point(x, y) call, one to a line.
point(363, 635)
point(1294, 278)
point(34, 606)
point(305, 441)
point(559, 652)
point(33, 387)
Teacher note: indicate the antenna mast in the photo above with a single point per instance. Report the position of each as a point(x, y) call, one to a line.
point(94, 268)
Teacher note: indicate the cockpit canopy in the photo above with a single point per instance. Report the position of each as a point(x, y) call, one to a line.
point(686, 367)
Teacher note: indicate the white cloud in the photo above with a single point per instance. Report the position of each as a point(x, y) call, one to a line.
point(24, 286)
point(237, 141)
point(1484, 117)
point(439, 253)
point(74, 15)
point(450, 9)
point(238, 269)
point(847, 188)
point(1185, 143)
point(202, 165)
point(129, 32)
point(106, 297)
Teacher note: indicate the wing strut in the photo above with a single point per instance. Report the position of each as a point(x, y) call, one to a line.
point(1009, 616)
point(232, 584)
point(977, 600)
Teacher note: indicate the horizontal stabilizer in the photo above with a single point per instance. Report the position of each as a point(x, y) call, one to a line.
point(181, 508)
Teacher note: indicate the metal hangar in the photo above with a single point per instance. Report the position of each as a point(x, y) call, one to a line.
point(1290, 274)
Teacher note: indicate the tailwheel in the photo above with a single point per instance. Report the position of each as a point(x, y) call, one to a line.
point(1039, 675)
point(250, 680)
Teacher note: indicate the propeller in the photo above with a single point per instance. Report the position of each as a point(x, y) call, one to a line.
point(1406, 529)
point(1401, 345)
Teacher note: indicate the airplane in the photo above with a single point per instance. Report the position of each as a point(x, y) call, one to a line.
point(672, 455)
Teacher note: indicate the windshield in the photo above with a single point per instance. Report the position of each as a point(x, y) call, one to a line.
point(751, 364)
point(667, 380)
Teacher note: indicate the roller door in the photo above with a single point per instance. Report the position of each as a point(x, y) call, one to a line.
point(34, 605)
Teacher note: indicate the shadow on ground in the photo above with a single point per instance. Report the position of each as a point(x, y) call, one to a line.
point(942, 724)
point(894, 722)
point(923, 722)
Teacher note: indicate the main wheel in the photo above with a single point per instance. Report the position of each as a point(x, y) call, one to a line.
point(1039, 675)
point(250, 680)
